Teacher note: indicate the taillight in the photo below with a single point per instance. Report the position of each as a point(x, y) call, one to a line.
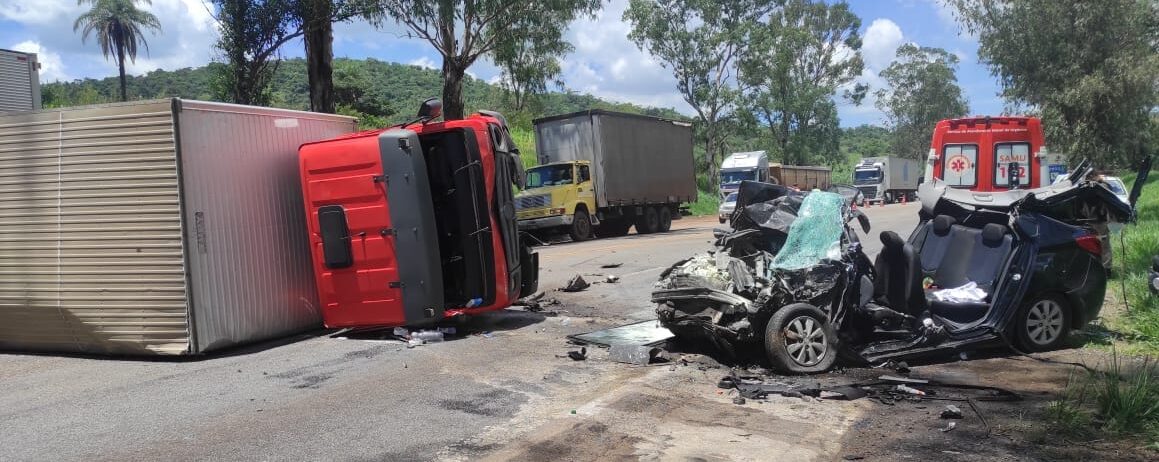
point(1090, 243)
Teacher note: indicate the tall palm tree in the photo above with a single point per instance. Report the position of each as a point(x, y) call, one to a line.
point(119, 26)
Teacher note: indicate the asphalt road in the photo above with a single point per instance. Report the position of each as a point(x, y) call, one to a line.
point(499, 392)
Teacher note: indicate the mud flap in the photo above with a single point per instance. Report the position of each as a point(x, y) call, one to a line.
point(412, 219)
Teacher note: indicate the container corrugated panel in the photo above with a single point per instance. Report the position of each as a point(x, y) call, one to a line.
point(17, 72)
point(645, 160)
point(161, 227)
point(249, 253)
point(91, 256)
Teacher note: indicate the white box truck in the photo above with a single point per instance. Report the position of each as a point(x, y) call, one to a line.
point(742, 166)
point(887, 179)
point(164, 227)
point(19, 81)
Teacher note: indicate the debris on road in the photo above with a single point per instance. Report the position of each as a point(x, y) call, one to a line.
point(640, 355)
point(611, 265)
point(580, 355)
point(611, 279)
point(950, 426)
point(536, 302)
point(645, 333)
point(951, 412)
point(738, 400)
point(576, 284)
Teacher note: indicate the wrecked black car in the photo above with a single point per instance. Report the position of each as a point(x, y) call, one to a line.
point(1018, 268)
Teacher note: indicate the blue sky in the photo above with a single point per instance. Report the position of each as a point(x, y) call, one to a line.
point(604, 63)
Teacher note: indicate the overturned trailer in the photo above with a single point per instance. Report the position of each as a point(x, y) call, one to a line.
point(1019, 268)
point(154, 228)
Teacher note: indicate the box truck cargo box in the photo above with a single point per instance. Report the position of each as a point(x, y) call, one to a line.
point(155, 228)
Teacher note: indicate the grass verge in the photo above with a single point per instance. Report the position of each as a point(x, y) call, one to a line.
point(1120, 400)
point(706, 204)
point(1133, 250)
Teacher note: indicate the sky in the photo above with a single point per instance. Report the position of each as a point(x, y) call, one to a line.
point(605, 63)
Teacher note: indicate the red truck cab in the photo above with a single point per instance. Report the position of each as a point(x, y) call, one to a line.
point(413, 224)
point(977, 153)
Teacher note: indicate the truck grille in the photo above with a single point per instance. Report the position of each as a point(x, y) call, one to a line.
point(532, 202)
point(870, 192)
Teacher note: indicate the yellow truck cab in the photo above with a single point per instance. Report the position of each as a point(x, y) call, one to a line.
point(600, 173)
point(559, 195)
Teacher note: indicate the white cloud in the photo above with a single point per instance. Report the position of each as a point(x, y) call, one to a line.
point(608, 65)
point(879, 45)
point(424, 62)
point(38, 12)
point(51, 66)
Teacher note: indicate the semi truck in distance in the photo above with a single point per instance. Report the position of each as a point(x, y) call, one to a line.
point(985, 153)
point(415, 223)
point(887, 179)
point(802, 177)
point(742, 166)
point(601, 173)
point(19, 81)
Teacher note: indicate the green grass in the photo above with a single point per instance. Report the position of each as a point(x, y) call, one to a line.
point(1120, 399)
point(1140, 323)
point(525, 139)
point(706, 204)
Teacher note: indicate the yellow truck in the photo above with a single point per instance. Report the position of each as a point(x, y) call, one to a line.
point(603, 172)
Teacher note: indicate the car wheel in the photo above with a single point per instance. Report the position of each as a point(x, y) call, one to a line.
point(1043, 323)
point(800, 339)
point(581, 226)
point(649, 222)
point(665, 219)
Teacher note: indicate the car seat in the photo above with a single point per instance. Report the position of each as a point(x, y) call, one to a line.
point(936, 242)
point(898, 282)
point(975, 255)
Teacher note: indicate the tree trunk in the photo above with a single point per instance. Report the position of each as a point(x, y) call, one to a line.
point(319, 38)
point(121, 68)
point(453, 105)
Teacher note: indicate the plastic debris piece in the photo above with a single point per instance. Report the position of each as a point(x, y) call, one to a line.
point(427, 336)
point(576, 284)
point(952, 425)
point(815, 234)
point(580, 355)
point(910, 390)
point(401, 332)
point(951, 412)
point(414, 342)
point(611, 265)
point(738, 400)
point(611, 279)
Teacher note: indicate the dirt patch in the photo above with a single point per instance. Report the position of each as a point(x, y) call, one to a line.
point(1018, 430)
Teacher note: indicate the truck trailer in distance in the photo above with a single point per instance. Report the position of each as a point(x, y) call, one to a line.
point(887, 179)
point(742, 166)
point(802, 177)
point(602, 172)
point(19, 81)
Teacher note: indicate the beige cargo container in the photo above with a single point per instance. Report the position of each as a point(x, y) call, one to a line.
point(155, 228)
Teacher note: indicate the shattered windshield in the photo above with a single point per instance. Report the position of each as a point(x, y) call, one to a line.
point(549, 175)
point(815, 234)
point(736, 177)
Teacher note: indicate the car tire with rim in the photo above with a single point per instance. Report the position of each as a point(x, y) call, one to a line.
point(649, 222)
point(665, 219)
point(800, 339)
point(581, 226)
point(1043, 323)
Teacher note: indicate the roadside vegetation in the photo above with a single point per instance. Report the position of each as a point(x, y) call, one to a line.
point(1139, 321)
point(1116, 399)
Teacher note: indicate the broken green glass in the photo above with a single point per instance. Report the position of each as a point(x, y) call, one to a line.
point(815, 234)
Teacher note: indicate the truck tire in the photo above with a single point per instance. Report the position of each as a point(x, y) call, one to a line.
point(649, 222)
point(581, 226)
point(665, 219)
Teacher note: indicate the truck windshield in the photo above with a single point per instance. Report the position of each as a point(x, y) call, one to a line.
point(872, 176)
point(550, 175)
point(735, 177)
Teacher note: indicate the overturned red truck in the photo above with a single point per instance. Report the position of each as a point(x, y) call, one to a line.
point(415, 223)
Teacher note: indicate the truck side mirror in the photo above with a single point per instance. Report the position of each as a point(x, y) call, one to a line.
point(432, 108)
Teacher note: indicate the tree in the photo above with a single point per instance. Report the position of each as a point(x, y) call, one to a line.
point(799, 57)
point(462, 31)
point(252, 31)
point(529, 65)
point(315, 19)
point(119, 27)
point(701, 41)
point(923, 89)
point(1088, 67)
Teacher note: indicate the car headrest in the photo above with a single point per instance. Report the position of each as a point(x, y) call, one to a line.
point(891, 240)
point(942, 224)
point(992, 234)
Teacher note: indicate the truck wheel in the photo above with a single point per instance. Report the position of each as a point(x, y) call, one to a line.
point(649, 222)
point(581, 226)
point(800, 339)
point(887, 197)
point(665, 219)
